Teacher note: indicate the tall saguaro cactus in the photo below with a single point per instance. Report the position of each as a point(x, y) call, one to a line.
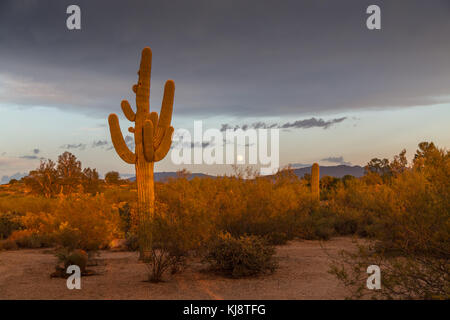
point(315, 180)
point(152, 136)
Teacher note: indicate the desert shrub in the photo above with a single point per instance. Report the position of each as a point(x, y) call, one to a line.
point(112, 177)
point(73, 257)
point(266, 207)
point(410, 220)
point(319, 225)
point(22, 204)
point(9, 222)
point(241, 257)
point(132, 241)
point(121, 194)
point(76, 222)
point(86, 222)
point(70, 238)
point(277, 238)
point(8, 244)
point(125, 216)
point(404, 275)
point(271, 207)
point(29, 239)
point(346, 223)
point(193, 217)
point(170, 243)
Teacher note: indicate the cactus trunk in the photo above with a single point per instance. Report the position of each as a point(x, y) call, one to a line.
point(146, 204)
point(145, 187)
point(315, 181)
point(152, 138)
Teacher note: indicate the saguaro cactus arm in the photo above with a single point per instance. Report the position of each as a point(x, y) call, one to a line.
point(164, 147)
point(118, 141)
point(166, 112)
point(147, 140)
point(167, 104)
point(127, 111)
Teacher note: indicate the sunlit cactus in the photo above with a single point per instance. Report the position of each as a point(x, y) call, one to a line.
point(152, 137)
point(315, 179)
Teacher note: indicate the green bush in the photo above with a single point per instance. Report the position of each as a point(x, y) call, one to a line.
point(73, 257)
point(241, 257)
point(407, 215)
point(21, 204)
point(8, 245)
point(169, 243)
point(132, 241)
point(8, 224)
point(319, 225)
point(278, 238)
point(29, 239)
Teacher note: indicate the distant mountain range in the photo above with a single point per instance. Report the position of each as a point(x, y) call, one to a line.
point(17, 176)
point(333, 171)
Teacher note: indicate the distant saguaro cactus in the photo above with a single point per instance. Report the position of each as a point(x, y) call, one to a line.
point(315, 179)
point(152, 137)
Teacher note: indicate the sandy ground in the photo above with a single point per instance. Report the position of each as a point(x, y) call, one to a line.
point(25, 274)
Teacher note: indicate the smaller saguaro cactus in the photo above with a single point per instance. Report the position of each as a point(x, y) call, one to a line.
point(315, 180)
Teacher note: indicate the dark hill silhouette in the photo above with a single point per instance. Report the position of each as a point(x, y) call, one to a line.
point(333, 171)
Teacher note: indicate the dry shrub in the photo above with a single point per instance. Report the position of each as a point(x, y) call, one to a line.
point(9, 223)
point(73, 257)
point(22, 204)
point(411, 225)
point(76, 222)
point(171, 241)
point(8, 244)
point(86, 222)
point(241, 257)
point(272, 207)
point(29, 239)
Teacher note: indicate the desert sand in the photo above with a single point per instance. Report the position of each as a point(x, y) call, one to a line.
point(302, 274)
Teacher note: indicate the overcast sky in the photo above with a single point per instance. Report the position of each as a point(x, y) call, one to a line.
point(354, 93)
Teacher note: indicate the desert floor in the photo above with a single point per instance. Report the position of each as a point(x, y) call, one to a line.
point(25, 274)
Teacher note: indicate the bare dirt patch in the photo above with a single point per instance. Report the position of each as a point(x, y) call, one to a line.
point(25, 274)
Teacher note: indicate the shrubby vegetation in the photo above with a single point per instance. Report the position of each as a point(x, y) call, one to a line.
point(402, 208)
point(241, 257)
point(406, 210)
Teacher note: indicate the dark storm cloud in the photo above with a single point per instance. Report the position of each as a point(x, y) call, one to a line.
point(180, 145)
point(240, 58)
point(27, 157)
point(79, 146)
point(99, 143)
point(299, 124)
point(311, 123)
